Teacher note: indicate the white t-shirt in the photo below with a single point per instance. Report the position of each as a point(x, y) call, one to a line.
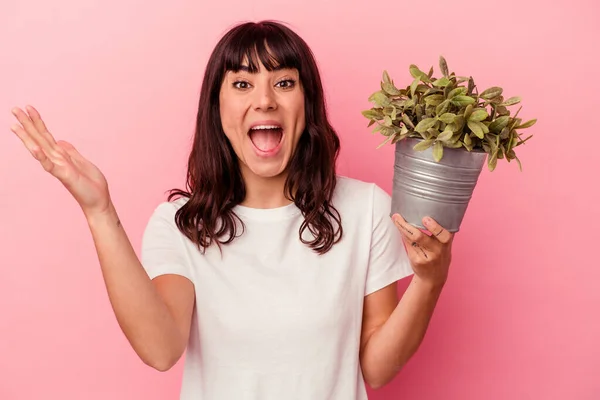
point(272, 319)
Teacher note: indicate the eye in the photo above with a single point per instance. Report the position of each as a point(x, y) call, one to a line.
point(286, 83)
point(241, 85)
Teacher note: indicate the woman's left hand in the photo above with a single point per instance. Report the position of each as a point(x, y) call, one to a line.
point(430, 256)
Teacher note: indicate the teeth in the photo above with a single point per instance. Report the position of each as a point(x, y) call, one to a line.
point(266, 127)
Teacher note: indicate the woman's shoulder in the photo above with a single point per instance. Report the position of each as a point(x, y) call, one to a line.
point(168, 208)
point(360, 194)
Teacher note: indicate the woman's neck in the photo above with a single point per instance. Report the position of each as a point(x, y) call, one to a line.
point(264, 192)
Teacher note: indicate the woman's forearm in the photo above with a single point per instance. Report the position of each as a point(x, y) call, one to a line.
point(141, 313)
point(391, 345)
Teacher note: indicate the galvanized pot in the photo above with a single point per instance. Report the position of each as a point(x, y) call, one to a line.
point(441, 190)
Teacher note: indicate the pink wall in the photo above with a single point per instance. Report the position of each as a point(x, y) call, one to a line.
point(518, 318)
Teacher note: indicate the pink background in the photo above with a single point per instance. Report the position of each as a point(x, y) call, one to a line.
point(518, 318)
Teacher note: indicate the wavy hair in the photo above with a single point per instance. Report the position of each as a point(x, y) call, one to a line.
point(214, 181)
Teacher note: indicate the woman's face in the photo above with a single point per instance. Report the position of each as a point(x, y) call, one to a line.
point(263, 117)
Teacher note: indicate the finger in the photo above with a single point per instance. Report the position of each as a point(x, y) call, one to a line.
point(36, 151)
point(26, 138)
point(410, 232)
point(73, 154)
point(415, 251)
point(39, 124)
point(70, 149)
point(437, 231)
point(30, 128)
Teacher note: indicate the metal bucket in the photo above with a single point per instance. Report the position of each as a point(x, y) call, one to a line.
point(441, 190)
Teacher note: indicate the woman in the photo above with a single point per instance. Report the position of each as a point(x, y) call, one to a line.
point(275, 275)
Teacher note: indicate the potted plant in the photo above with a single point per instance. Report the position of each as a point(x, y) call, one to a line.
point(444, 130)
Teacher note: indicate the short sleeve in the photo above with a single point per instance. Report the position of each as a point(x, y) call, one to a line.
point(163, 249)
point(388, 260)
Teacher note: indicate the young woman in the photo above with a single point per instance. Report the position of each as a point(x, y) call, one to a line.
point(274, 275)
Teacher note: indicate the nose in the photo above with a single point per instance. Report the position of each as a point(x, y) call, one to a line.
point(264, 99)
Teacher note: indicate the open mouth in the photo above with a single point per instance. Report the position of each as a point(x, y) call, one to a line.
point(266, 138)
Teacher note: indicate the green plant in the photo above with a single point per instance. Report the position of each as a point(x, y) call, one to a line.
point(448, 112)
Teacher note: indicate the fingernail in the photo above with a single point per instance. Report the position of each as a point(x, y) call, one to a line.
point(427, 221)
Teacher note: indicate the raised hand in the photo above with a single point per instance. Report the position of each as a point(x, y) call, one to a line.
point(430, 255)
point(81, 178)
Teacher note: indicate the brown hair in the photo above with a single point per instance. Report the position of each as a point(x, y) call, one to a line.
point(214, 179)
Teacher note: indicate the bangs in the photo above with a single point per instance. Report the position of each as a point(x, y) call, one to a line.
point(257, 44)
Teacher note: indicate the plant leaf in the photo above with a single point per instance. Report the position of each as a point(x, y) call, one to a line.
point(519, 162)
point(421, 88)
point(527, 124)
point(387, 139)
point(497, 100)
point(471, 86)
point(442, 107)
point(415, 72)
point(432, 90)
point(387, 120)
point(407, 121)
point(447, 118)
point(423, 145)
point(419, 111)
point(493, 160)
point(479, 114)
point(413, 86)
point(425, 124)
point(433, 133)
point(468, 140)
point(398, 137)
point(467, 111)
point(491, 93)
point(390, 88)
point(443, 66)
point(502, 110)
point(475, 128)
point(454, 144)
point(399, 104)
point(445, 136)
point(441, 82)
point(386, 77)
point(497, 125)
point(372, 114)
point(459, 91)
point(438, 151)
point(486, 130)
point(462, 100)
point(380, 99)
point(502, 152)
point(458, 124)
point(387, 130)
point(434, 99)
point(372, 96)
point(511, 101)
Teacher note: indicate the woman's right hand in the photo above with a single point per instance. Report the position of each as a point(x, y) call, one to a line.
point(81, 178)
